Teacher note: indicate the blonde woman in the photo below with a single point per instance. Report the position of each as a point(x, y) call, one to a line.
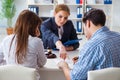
point(58, 30)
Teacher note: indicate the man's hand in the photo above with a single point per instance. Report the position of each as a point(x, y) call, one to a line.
point(75, 59)
point(63, 65)
point(65, 68)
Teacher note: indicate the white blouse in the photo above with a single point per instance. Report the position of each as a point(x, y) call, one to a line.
point(35, 57)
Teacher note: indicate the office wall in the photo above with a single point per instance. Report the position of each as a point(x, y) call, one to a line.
point(22, 4)
point(116, 15)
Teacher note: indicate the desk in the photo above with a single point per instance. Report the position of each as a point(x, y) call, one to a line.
point(51, 71)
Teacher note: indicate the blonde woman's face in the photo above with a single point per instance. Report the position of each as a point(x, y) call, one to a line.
point(61, 17)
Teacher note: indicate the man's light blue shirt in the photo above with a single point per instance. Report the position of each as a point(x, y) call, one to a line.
point(102, 50)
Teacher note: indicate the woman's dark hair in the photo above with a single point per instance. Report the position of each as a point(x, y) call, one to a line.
point(97, 16)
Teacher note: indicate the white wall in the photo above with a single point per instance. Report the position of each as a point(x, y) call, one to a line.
point(22, 4)
point(116, 15)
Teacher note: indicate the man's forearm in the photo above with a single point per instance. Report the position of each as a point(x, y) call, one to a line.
point(67, 73)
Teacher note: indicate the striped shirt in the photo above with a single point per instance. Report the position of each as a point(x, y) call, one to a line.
point(102, 50)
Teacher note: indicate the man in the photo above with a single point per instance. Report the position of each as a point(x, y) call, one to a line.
point(102, 50)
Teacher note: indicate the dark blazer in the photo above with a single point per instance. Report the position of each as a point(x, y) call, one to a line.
point(49, 31)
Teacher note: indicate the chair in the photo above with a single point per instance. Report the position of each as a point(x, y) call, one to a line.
point(105, 74)
point(17, 72)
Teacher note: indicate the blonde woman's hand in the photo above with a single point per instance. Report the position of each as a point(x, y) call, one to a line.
point(63, 53)
point(62, 50)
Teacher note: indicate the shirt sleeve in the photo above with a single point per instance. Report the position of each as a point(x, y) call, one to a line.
point(87, 61)
point(48, 37)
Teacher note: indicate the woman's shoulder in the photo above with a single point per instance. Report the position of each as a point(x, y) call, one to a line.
point(7, 40)
point(47, 21)
point(8, 37)
point(69, 22)
point(35, 40)
point(35, 43)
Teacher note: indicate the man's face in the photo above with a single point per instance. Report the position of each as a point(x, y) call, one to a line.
point(61, 18)
point(87, 30)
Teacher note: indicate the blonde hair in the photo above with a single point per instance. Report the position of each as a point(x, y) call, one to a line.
point(62, 7)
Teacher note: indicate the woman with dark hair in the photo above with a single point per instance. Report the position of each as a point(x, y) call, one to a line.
point(24, 47)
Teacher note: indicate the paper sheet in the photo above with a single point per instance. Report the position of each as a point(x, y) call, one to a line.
point(70, 62)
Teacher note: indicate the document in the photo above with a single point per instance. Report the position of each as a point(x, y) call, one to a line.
point(68, 61)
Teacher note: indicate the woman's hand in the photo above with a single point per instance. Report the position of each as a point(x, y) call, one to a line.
point(63, 55)
point(62, 52)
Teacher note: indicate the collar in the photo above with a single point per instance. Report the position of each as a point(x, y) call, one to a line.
point(102, 29)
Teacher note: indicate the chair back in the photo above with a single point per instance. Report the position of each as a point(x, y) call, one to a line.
point(112, 73)
point(17, 72)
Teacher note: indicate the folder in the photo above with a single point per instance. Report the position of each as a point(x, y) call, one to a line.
point(77, 1)
point(110, 1)
point(107, 1)
point(35, 9)
point(79, 12)
point(70, 42)
point(79, 26)
point(88, 8)
point(81, 1)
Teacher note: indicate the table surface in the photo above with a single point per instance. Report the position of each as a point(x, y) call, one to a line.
point(52, 63)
